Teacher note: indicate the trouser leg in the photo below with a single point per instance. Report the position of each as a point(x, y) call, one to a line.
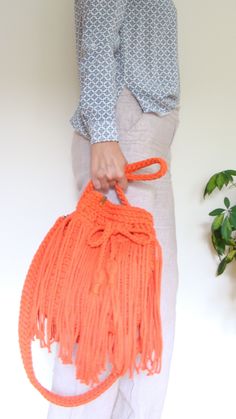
point(150, 136)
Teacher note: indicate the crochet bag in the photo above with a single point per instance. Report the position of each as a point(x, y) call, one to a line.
point(95, 280)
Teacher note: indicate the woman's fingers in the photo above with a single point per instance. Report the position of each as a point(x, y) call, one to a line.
point(121, 179)
point(107, 166)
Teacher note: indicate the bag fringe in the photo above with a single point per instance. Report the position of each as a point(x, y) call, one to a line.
point(95, 280)
point(121, 321)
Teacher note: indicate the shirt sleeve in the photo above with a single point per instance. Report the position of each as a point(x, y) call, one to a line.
point(97, 33)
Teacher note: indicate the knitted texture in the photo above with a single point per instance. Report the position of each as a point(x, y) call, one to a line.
point(95, 280)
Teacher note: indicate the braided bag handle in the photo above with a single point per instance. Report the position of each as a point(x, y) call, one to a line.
point(26, 300)
point(132, 167)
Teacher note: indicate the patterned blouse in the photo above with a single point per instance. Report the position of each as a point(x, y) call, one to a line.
point(124, 42)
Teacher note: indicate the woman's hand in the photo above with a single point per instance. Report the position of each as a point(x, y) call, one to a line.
point(107, 166)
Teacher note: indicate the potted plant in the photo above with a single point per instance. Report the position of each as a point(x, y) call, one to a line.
point(223, 227)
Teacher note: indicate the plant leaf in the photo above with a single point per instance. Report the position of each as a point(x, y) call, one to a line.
point(218, 243)
point(232, 219)
point(226, 229)
point(227, 202)
point(216, 211)
point(221, 179)
point(229, 177)
point(221, 266)
point(231, 172)
point(233, 209)
point(227, 180)
point(210, 186)
point(231, 242)
point(217, 222)
point(231, 255)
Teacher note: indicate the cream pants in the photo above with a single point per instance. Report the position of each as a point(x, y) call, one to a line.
point(142, 135)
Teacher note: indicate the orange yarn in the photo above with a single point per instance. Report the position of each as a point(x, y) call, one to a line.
point(96, 280)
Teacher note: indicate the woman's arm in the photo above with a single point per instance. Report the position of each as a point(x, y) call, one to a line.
point(98, 37)
point(98, 24)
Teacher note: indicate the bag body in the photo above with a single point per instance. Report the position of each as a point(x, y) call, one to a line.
point(95, 280)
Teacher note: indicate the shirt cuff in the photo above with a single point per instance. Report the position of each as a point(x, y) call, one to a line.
point(103, 130)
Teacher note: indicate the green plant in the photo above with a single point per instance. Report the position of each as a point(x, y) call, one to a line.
point(223, 227)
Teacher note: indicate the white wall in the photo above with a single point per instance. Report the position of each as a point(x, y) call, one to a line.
point(39, 90)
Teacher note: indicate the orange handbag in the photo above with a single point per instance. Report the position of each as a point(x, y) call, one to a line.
point(95, 280)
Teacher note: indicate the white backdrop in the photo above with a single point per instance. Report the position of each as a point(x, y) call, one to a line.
point(39, 91)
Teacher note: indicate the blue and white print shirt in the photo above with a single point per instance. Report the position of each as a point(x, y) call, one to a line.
point(124, 42)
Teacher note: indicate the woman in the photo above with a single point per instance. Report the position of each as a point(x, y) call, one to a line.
point(128, 110)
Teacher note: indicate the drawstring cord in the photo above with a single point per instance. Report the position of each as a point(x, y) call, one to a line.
point(108, 269)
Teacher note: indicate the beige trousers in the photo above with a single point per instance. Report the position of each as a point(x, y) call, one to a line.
point(142, 135)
